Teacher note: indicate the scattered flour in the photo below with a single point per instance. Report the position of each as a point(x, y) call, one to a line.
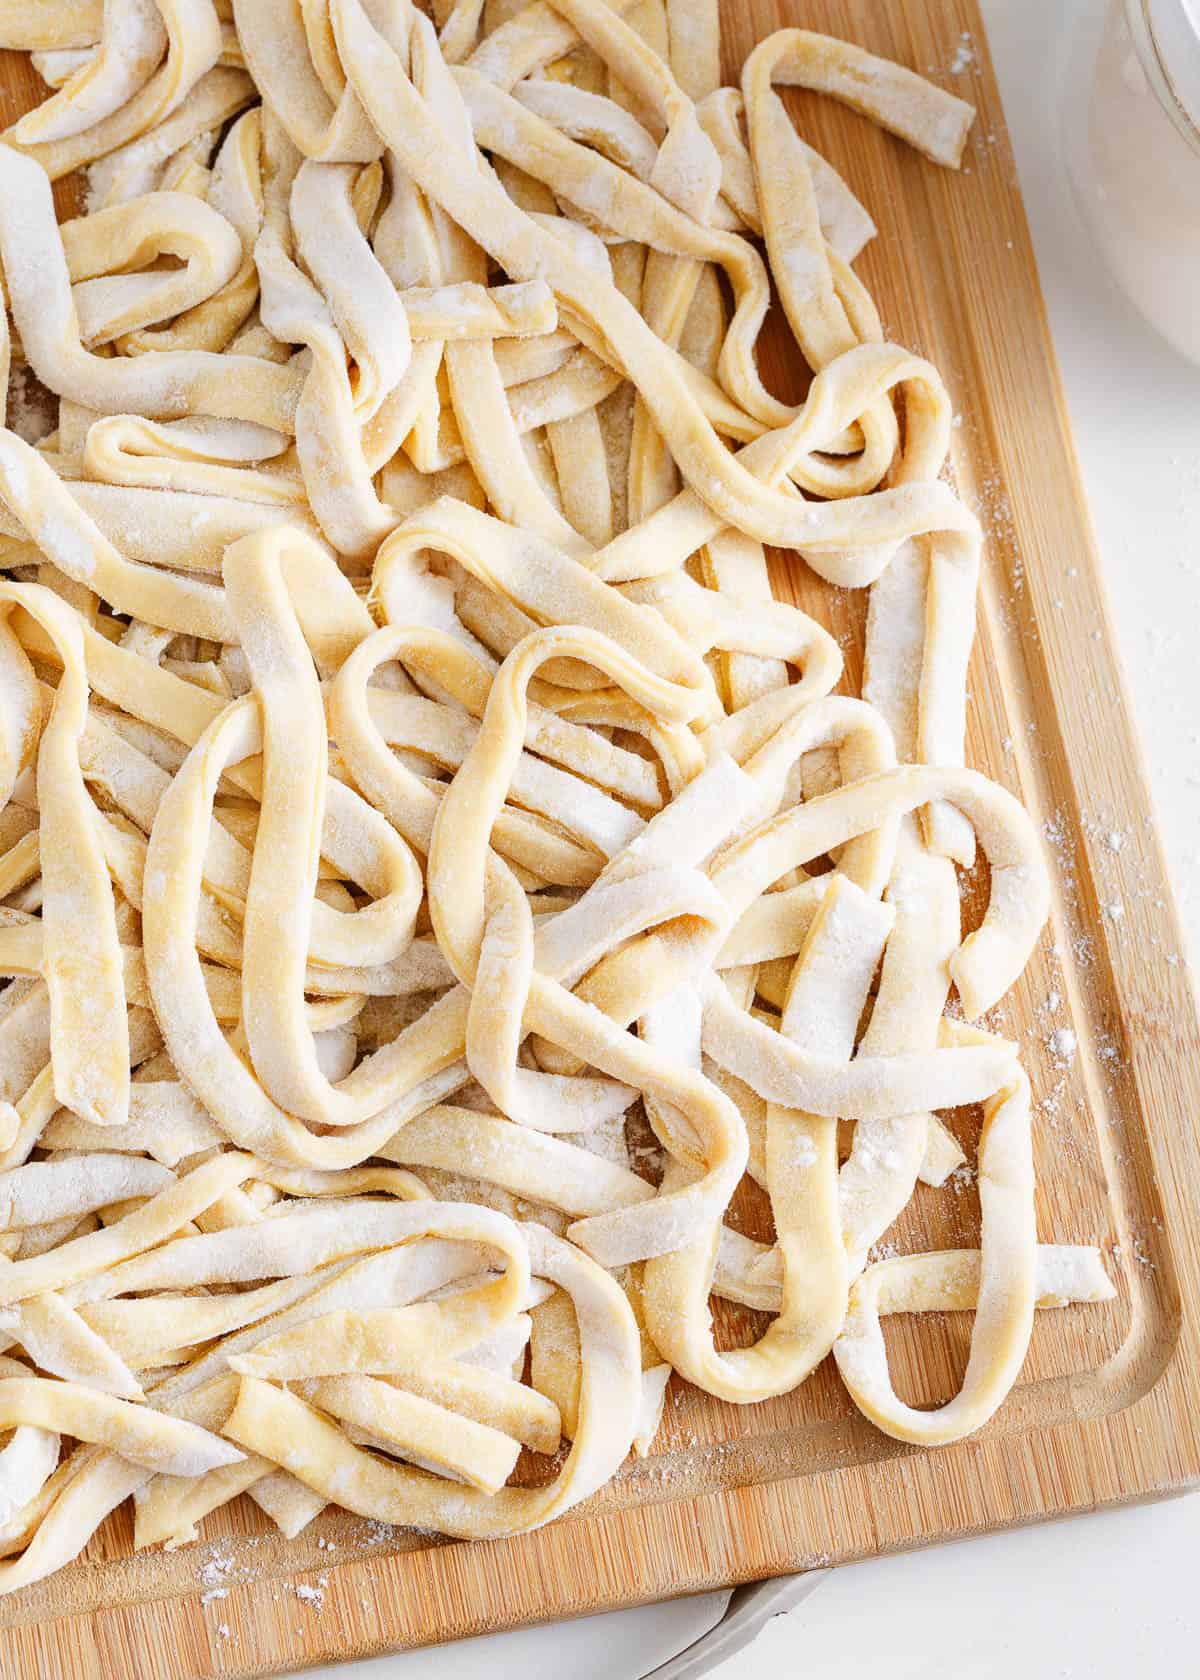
point(964, 56)
point(1062, 1045)
point(312, 1595)
point(217, 1569)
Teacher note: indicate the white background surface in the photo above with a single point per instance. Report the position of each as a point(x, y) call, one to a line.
point(1114, 1594)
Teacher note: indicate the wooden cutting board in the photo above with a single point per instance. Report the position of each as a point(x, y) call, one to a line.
point(1107, 1404)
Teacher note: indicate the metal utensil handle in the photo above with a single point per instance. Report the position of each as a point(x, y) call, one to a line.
point(749, 1610)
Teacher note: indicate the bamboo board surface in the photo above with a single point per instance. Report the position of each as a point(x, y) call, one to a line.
point(1107, 1406)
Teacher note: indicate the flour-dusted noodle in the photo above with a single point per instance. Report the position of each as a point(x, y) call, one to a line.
point(137, 1433)
point(89, 1035)
point(55, 1336)
point(434, 870)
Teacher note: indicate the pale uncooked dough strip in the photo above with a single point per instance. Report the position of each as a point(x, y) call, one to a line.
point(546, 1102)
point(802, 264)
point(124, 161)
point(528, 39)
point(459, 853)
point(233, 187)
point(360, 1339)
point(132, 41)
point(630, 209)
point(81, 958)
point(163, 385)
point(176, 528)
point(828, 989)
point(61, 528)
point(442, 733)
point(920, 112)
point(133, 100)
point(168, 1508)
point(542, 1169)
point(286, 848)
point(282, 1427)
point(1006, 1289)
point(289, 1504)
point(376, 1340)
point(104, 250)
point(345, 944)
point(296, 1240)
point(840, 391)
point(945, 1281)
point(49, 25)
point(522, 248)
point(593, 120)
point(20, 713)
point(213, 1071)
point(500, 943)
point(393, 1276)
point(67, 1513)
point(275, 43)
point(48, 1190)
point(687, 170)
point(486, 1397)
point(455, 1446)
point(59, 1340)
point(924, 889)
point(624, 984)
point(545, 583)
point(880, 1174)
point(148, 1225)
point(990, 959)
point(138, 1434)
point(824, 328)
point(142, 1328)
point(182, 456)
point(27, 1462)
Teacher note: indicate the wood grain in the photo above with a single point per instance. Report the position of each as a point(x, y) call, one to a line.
point(1106, 1408)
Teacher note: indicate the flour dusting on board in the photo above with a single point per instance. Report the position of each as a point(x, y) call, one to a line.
point(965, 54)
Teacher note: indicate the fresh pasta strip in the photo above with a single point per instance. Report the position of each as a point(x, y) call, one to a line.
point(168, 1509)
point(120, 78)
point(146, 1226)
point(27, 1461)
point(165, 1122)
point(60, 1341)
point(322, 1458)
point(544, 1169)
point(945, 1281)
point(369, 1341)
point(1006, 1293)
point(456, 1447)
point(89, 1036)
point(166, 385)
point(137, 1433)
point(48, 1190)
point(826, 995)
point(501, 1403)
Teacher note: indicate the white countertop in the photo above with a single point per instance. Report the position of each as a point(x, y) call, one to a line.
point(1094, 1598)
